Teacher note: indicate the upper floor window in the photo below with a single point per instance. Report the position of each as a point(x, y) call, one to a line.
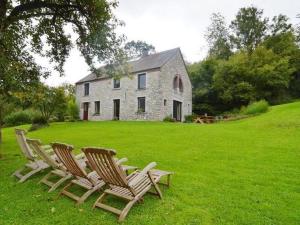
point(142, 81)
point(117, 83)
point(141, 104)
point(177, 83)
point(86, 89)
point(97, 108)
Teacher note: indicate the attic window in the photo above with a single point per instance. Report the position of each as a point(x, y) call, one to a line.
point(177, 83)
point(86, 89)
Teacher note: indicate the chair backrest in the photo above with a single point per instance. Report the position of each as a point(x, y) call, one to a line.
point(64, 153)
point(103, 162)
point(21, 139)
point(36, 146)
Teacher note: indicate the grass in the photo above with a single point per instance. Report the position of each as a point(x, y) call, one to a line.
point(240, 172)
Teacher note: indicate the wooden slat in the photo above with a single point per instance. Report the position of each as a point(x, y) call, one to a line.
point(108, 208)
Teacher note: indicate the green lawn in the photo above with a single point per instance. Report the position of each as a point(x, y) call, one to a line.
point(241, 172)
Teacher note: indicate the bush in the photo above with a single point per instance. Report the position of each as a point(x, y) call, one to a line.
point(39, 119)
point(73, 110)
point(169, 119)
point(18, 118)
point(189, 118)
point(255, 108)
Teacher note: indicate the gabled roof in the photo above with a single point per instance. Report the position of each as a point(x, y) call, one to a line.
point(145, 63)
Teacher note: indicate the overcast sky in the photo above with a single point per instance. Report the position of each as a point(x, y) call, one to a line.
point(169, 24)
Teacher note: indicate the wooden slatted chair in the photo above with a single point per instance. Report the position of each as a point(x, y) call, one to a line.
point(34, 164)
point(89, 181)
point(131, 188)
point(58, 169)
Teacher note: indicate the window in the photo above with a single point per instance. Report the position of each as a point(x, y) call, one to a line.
point(141, 104)
point(86, 89)
point(97, 108)
point(117, 83)
point(177, 83)
point(142, 81)
point(165, 102)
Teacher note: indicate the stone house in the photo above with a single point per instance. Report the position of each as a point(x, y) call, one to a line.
point(159, 86)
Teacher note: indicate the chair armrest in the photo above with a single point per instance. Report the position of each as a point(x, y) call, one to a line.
point(148, 167)
point(142, 174)
point(120, 161)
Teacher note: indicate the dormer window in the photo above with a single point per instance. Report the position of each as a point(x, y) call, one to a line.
point(177, 83)
point(117, 83)
point(86, 89)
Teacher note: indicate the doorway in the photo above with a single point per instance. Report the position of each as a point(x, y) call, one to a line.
point(85, 111)
point(177, 110)
point(116, 109)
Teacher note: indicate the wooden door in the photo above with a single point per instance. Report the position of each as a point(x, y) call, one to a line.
point(177, 109)
point(85, 111)
point(116, 109)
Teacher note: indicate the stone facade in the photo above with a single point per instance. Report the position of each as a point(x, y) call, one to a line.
point(159, 94)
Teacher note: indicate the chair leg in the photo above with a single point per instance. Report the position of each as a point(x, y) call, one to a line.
point(59, 182)
point(126, 210)
point(64, 189)
point(99, 200)
point(86, 195)
point(45, 178)
point(26, 176)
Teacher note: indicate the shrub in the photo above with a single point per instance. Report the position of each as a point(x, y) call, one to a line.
point(38, 122)
point(18, 118)
point(255, 108)
point(169, 119)
point(73, 110)
point(39, 119)
point(189, 118)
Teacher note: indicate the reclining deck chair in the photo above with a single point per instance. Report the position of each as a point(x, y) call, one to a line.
point(34, 164)
point(89, 181)
point(131, 188)
point(58, 170)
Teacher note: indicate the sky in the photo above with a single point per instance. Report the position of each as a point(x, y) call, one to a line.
point(168, 24)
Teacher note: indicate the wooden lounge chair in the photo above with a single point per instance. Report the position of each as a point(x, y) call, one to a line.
point(58, 169)
point(131, 188)
point(88, 181)
point(34, 164)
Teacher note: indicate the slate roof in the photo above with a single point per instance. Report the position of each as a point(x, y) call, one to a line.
point(145, 63)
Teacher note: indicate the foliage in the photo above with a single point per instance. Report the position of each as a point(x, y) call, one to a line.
point(18, 118)
point(217, 37)
point(39, 119)
point(190, 118)
point(169, 119)
point(258, 107)
point(30, 28)
point(136, 49)
point(249, 28)
point(73, 110)
point(252, 59)
point(259, 155)
point(245, 78)
point(50, 101)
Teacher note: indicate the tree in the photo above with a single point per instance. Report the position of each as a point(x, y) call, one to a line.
point(205, 99)
point(249, 28)
point(136, 49)
point(280, 25)
point(217, 37)
point(245, 78)
point(50, 101)
point(38, 27)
